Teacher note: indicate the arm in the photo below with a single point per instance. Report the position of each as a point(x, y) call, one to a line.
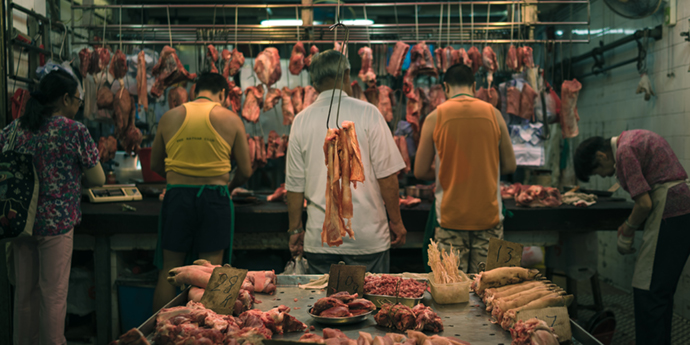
point(505, 147)
point(94, 177)
point(641, 209)
point(295, 203)
point(240, 149)
point(389, 192)
point(425, 152)
point(158, 150)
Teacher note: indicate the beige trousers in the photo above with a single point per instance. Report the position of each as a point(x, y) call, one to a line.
point(42, 268)
point(471, 247)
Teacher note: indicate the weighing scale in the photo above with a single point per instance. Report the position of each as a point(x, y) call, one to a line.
point(114, 193)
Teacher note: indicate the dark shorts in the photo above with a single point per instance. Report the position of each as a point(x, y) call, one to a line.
point(201, 224)
point(376, 263)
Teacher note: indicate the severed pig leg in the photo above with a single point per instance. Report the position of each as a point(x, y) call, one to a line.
point(552, 300)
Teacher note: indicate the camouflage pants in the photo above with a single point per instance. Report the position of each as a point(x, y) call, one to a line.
point(471, 247)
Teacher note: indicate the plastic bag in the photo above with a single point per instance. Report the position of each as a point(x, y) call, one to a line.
point(296, 266)
point(532, 256)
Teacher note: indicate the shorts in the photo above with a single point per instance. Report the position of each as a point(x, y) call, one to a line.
point(470, 246)
point(193, 221)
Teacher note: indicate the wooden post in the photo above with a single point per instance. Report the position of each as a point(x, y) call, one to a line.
point(307, 14)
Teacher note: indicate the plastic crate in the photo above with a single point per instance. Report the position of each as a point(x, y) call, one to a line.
point(135, 302)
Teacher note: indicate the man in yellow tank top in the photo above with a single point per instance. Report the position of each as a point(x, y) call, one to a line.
point(465, 147)
point(192, 150)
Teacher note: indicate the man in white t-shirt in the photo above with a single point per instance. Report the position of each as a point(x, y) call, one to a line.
point(306, 176)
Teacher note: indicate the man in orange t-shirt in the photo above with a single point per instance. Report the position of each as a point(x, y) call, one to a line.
point(465, 147)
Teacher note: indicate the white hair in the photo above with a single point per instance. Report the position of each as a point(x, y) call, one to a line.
point(324, 66)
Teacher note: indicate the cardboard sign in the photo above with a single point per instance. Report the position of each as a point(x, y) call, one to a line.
point(346, 278)
point(222, 289)
point(503, 254)
point(555, 317)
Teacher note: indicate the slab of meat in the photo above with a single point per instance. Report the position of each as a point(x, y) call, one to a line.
point(346, 208)
point(234, 97)
point(538, 196)
point(499, 306)
point(401, 143)
point(396, 316)
point(310, 96)
point(552, 300)
point(261, 156)
point(501, 276)
point(513, 99)
point(252, 103)
point(105, 98)
point(569, 117)
point(84, 61)
point(356, 169)
point(236, 62)
point(297, 59)
point(436, 96)
point(526, 56)
point(366, 73)
point(422, 58)
point(386, 102)
point(427, 319)
point(280, 192)
point(264, 281)
point(361, 306)
point(336, 312)
point(527, 97)
point(492, 294)
point(490, 64)
point(488, 95)
point(272, 98)
point(333, 225)
point(107, 147)
point(476, 58)
point(142, 94)
point(372, 95)
point(212, 57)
point(357, 91)
point(397, 58)
point(122, 112)
point(409, 201)
point(326, 303)
point(298, 99)
point(225, 57)
point(132, 337)
point(446, 57)
point(275, 146)
point(388, 285)
point(195, 275)
point(118, 67)
point(313, 50)
point(311, 338)
point(533, 331)
point(437, 55)
point(252, 149)
point(168, 71)
point(177, 97)
point(512, 61)
point(287, 108)
point(267, 66)
point(413, 109)
point(463, 58)
point(100, 58)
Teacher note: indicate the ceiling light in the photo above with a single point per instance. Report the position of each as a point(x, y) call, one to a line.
point(281, 22)
point(559, 32)
point(358, 22)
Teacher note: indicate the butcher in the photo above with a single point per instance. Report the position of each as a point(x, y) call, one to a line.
point(646, 167)
point(306, 176)
point(465, 147)
point(192, 150)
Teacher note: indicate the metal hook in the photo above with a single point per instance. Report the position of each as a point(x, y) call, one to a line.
point(340, 58)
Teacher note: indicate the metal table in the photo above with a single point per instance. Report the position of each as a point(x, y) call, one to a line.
point(466, 321)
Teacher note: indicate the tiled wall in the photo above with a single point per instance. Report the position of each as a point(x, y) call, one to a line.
point(608, 105)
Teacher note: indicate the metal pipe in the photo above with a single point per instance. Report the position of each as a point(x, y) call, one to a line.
point(651, 33)
point(4, 108)
point(292, 41)
point(435, 3)
point(597, 72)
point(46, 20)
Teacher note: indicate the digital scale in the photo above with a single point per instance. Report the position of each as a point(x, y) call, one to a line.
point(114, 193)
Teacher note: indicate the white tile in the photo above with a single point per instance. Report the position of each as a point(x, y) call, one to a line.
point(678, 146)
point(687, 148)
point(681, 55)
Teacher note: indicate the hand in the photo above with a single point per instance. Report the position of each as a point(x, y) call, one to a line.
point(296, 244)
point(625, 230)
point(626, 237)
point(398, 233)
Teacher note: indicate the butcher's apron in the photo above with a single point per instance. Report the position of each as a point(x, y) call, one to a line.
point(642, 278)
point(189, 259)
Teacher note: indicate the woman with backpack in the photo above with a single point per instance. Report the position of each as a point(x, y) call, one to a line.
point(63, 151)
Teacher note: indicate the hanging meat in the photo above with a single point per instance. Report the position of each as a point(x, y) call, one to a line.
point(357, 91)
point(338, 46)
point(261, 156)
point(372, 95)
point(234, 99)
point(476, 58)
point(423, 60)
point(287, 108)
point(401, 143)
point(225, 56)
point(253, 102)
point(526, 56)
point(397, 58)
point(104, 97)
point(177, 97)
point(122, 110)
point(236, 63)
point(84, 61)
point(267, 66)
point(513, 100)
point(297, 59)
point(413, 109)
point(569, 117)
point(462, 57)
point(212, 57)
point(272, 98)
point(118, 67)
point(489, 95)
point(386, 102)
point(273, 145)
point(107, 147)
point(298, 99)
point(490, 64)
point(310, 96)
point(100, 58)
point(312, 52)
point(142, 95)
point(132, 139)
point(366, 73)
point(436, 96)
point(168, 71)
point(527, 97)
point(252, 149)
point(512, 61)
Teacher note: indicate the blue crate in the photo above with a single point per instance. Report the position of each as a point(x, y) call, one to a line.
point(135, 303)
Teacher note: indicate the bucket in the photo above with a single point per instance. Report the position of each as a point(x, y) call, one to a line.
point(146, 172)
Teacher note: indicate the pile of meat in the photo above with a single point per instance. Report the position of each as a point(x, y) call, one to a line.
point(344, 162)
point(404, 318)
point(409, 201)
point(342, 304)
point(508, 290)
point(533, 331)
point(198, 275)
point(532, 196)
point(388, 285)
point(194, 324)
point(337, 337)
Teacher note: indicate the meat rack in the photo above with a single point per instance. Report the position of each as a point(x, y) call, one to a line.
point(465, 321)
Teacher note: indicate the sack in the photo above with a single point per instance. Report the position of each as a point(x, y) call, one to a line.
point(18, 191)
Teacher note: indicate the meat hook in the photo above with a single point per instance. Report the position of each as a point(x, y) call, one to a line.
point(340, 58)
